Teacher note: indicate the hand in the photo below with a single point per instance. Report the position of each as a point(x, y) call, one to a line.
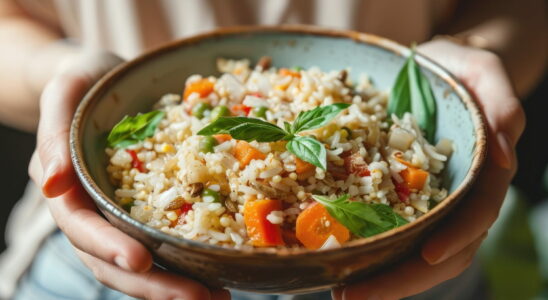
point(450, 249)
point(116, 259)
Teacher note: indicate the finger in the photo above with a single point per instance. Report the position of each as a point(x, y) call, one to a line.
point(57, 104)
point(154, 284)
point(337, 293)
point(35, 168)
point(75, 214)
point(412, 277)
point(473, 217)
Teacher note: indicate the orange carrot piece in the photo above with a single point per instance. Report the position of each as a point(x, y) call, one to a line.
point(415, 178)
point(221, 138)
point(287, 72)
point(261, 232)
point(303, 167)
point(245, 153)
point(203, 87)
point(315, 225)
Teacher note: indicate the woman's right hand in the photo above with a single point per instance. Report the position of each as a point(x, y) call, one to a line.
point(117, 260)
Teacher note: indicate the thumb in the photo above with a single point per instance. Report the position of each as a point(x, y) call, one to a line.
point(57, 105)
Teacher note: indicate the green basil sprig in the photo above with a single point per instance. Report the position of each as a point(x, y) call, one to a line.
point(362, 219)
point(412, 93)
point(306, 148)
point(131, 130)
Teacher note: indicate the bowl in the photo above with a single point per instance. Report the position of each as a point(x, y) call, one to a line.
point(136, 85)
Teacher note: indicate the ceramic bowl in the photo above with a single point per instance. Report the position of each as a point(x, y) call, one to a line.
point(134, 86)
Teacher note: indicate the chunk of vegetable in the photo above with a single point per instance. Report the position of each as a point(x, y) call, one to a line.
point(221, 138)
point(241, 109)
point(315, 225)
point(261, 232)
point(219, 111)
point(303, 167)
point(260, 112)
point(288, 72)
point(135, 162)
point(415, 178)
point(203, 87)
point(209, 195)
point(400, 139)
point(199, 109)
point(245, 153)
point(207, 143)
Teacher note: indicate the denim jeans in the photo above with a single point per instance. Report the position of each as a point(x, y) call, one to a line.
point(57, 273)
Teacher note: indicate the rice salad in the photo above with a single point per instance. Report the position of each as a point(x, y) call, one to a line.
point(254, 188)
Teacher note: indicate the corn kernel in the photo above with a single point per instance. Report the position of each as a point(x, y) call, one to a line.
point(344, 133)
point(167, 148)
point(281, 87)
point(125, 201)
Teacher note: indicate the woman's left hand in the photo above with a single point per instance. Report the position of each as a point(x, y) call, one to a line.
point(451, 248)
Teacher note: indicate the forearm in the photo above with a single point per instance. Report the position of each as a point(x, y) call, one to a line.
point(513, 29)
point(27, 60)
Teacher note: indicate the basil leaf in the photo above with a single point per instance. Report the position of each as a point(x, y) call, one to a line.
point(246, 129)
point(423, 105)
point(362, 219)
point(317, 117)
point(308, 149)
point(131, 130)
point(412, 93)
point(400, 98)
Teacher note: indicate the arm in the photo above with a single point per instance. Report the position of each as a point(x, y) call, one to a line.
point(28, 57)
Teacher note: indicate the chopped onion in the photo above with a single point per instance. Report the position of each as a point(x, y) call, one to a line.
point(400, 139)
point(419, 204)
point(253, 101)
point(330, 243)
point(445, 147)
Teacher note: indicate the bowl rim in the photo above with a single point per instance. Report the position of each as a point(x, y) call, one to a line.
point(373, 242)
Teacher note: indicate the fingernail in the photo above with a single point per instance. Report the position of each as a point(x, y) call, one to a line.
point(49, 173)
point(121, 262)
point(504, 157)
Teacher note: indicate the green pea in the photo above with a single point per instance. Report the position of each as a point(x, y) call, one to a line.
point(349, 131)
point(219, 111)
point(199, 109)
point(260, 112)
point(207, 144)
point(212, 194)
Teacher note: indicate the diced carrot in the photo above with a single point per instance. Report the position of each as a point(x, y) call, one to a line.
point(240, 109)
point(221, 138)
point(287, 72)
point(303, 166)
point(203, 87)
point(245, 153)
point(415, 178)
point(315, 225)
point(261, 232)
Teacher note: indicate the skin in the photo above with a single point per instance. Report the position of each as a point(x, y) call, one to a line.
point(111, 254)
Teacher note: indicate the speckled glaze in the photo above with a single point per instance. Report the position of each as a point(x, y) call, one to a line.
point(136, 85)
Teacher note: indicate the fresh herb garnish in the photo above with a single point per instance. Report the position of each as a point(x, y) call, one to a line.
point(362, 219)
point(131, 130)
point(412, 93)
point(306, 148)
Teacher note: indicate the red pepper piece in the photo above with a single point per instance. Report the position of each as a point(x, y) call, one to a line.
point(402, 190)
point(135, 162)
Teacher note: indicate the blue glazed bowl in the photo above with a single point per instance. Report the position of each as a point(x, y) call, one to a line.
point(136, 85)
